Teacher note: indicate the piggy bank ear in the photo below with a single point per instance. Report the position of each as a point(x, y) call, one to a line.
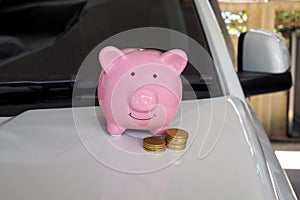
point(175, 57)
point(108, 55)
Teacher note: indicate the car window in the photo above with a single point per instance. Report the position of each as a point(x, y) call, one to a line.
point(42, 70)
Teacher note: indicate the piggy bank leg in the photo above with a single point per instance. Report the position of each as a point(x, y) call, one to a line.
point(114, 130)
point(160, 132)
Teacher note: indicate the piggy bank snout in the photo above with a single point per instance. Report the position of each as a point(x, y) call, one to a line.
point(143, 100)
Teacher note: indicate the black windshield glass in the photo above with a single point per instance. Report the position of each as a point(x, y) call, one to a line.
point(43, 43)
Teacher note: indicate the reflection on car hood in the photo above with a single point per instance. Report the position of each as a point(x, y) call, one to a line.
point(68, 151)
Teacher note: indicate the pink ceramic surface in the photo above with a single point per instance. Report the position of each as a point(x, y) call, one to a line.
point(140, 89)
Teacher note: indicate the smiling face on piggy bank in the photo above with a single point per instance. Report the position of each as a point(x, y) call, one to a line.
point(140, 89)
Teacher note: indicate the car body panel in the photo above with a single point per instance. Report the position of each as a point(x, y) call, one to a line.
point(48, 160)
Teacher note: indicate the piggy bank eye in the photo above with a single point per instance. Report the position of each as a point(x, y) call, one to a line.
point(154, 75)
point(132, 74)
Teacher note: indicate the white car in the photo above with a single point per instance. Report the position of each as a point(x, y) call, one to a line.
point(61, 151)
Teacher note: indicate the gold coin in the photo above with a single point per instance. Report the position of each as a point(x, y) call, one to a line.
point(154, 140)
point(154, 148)
point(176, 139)
point(176, 142)
point(177, 133)
point(154, 144)
point(155, 151)
point(176, 147)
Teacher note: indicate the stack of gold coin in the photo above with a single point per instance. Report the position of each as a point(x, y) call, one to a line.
point(154, 144)
point(176, 139)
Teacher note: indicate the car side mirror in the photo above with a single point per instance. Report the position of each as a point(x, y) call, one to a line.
point(263, 63)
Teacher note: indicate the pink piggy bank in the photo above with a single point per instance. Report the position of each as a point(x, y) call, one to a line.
point(140, 89)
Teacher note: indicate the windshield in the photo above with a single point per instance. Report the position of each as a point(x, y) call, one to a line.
point(42, 45)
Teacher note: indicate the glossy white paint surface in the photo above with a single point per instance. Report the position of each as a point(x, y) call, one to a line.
point(4, 119)
point(281, 185)
point(265, 51)
point(47, 160)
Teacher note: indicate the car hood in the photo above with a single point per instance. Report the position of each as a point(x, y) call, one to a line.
point(67, 154)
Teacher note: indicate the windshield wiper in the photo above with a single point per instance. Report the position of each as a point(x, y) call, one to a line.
point(20, 92)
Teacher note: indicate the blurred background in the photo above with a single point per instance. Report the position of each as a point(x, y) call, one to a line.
point(278, 112)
